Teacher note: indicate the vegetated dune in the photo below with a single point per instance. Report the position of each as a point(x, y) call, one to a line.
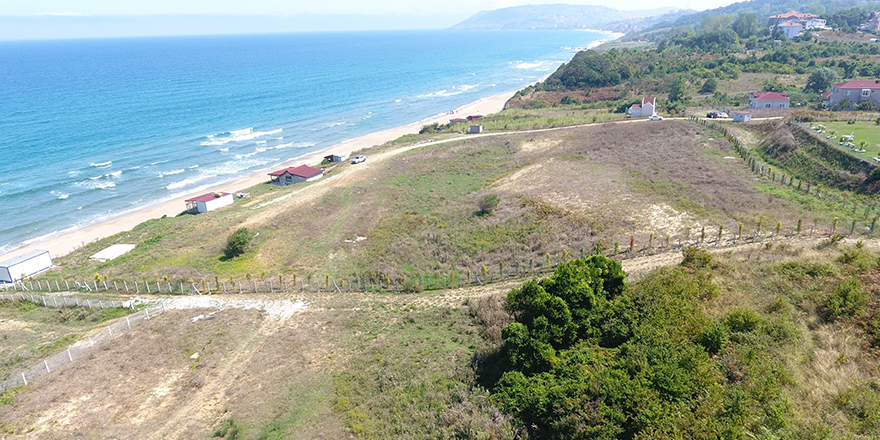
point(415, 212)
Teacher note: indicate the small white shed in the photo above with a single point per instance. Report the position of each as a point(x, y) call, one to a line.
point(25, 265)
point(475, 129)
point(742, 116)
point(209, 202)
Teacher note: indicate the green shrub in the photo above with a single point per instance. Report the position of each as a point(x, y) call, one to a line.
point(743, 321)
point(696, 258)
point(238, 243)
point(862, 404)
point(714, 337)
point(848, 299)
point(488, 203)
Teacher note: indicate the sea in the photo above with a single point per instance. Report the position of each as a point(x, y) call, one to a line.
point(95, 129)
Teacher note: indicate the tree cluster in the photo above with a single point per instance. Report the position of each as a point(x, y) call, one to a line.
point(590, 358)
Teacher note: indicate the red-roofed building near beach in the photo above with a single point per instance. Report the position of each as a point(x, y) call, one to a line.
point(852, 93)
point(209, 202)
point(769, 100)
point(289, 176)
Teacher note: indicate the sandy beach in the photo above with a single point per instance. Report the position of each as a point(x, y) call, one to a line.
point(66, 243)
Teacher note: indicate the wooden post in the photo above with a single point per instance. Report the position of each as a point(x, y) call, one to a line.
point(66, 285)
point(239, 287)
point(224, 287)
point(24, 379)
point(69, 356)
point(125, 283)
point(46, 363)
point(128, 322)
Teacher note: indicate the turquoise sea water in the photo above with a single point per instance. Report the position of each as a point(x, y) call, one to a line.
point(93, 129)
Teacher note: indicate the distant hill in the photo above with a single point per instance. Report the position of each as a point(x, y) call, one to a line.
point(550, 17)
point(766, 8)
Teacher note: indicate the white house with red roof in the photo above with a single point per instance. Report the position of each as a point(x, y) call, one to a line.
point(791, 29)
point(647, 108)
point(793, 23)
point(289, 176)
point(851, 93)
point(209, 202)
point(769, 100)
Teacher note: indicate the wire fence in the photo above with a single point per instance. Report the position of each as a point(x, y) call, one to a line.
point(860, 222)
point(82, 347)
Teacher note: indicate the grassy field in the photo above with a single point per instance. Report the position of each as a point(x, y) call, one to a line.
point(381, 366)
point(31, 332)
point(414, 217)
point(862, 131)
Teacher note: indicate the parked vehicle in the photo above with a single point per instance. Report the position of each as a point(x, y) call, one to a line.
point(655, 118)
point(359, 159)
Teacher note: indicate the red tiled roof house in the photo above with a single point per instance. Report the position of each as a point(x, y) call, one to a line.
point(289, 176)
point(769, 100)
point(209, 202)
point(647, 108)
point(851, 93)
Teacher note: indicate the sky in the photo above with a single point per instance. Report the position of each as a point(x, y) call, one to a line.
point(59, 19)
point(259, 7)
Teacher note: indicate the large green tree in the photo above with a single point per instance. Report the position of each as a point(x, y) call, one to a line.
point(821, 79)
point(678, 89)
point(747, 25)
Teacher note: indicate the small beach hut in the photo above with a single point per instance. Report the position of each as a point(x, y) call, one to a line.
point(289, 176)
point(336, 157)
point(742, 116)
point(474, 117)
point(457, 120)
point(209, 202)
point(26, 265)
point(475, 129)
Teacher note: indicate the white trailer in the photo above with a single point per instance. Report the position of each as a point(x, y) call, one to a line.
point(25, 265)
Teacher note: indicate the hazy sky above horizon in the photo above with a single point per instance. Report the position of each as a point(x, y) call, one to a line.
point(463, 8)
point(66, 19)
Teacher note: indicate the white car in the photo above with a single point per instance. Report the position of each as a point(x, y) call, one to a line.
point(655, 118)
point(359, 159)
point(723, 115)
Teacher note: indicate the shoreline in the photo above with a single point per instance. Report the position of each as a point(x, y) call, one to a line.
point(67, 242)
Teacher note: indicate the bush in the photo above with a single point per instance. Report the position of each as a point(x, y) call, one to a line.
point(709, 86)
point(488, 204)
point(848, 299)
point(743, 321)
point(696, 258)
point(714, 338)
point(238, 243)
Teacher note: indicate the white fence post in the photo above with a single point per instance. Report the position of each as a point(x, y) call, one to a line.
point(128, 322)
point(69, 356)
point(46, 363)
point(24, 379)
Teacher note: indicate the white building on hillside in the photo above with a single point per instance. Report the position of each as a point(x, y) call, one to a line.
point(647, 108)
